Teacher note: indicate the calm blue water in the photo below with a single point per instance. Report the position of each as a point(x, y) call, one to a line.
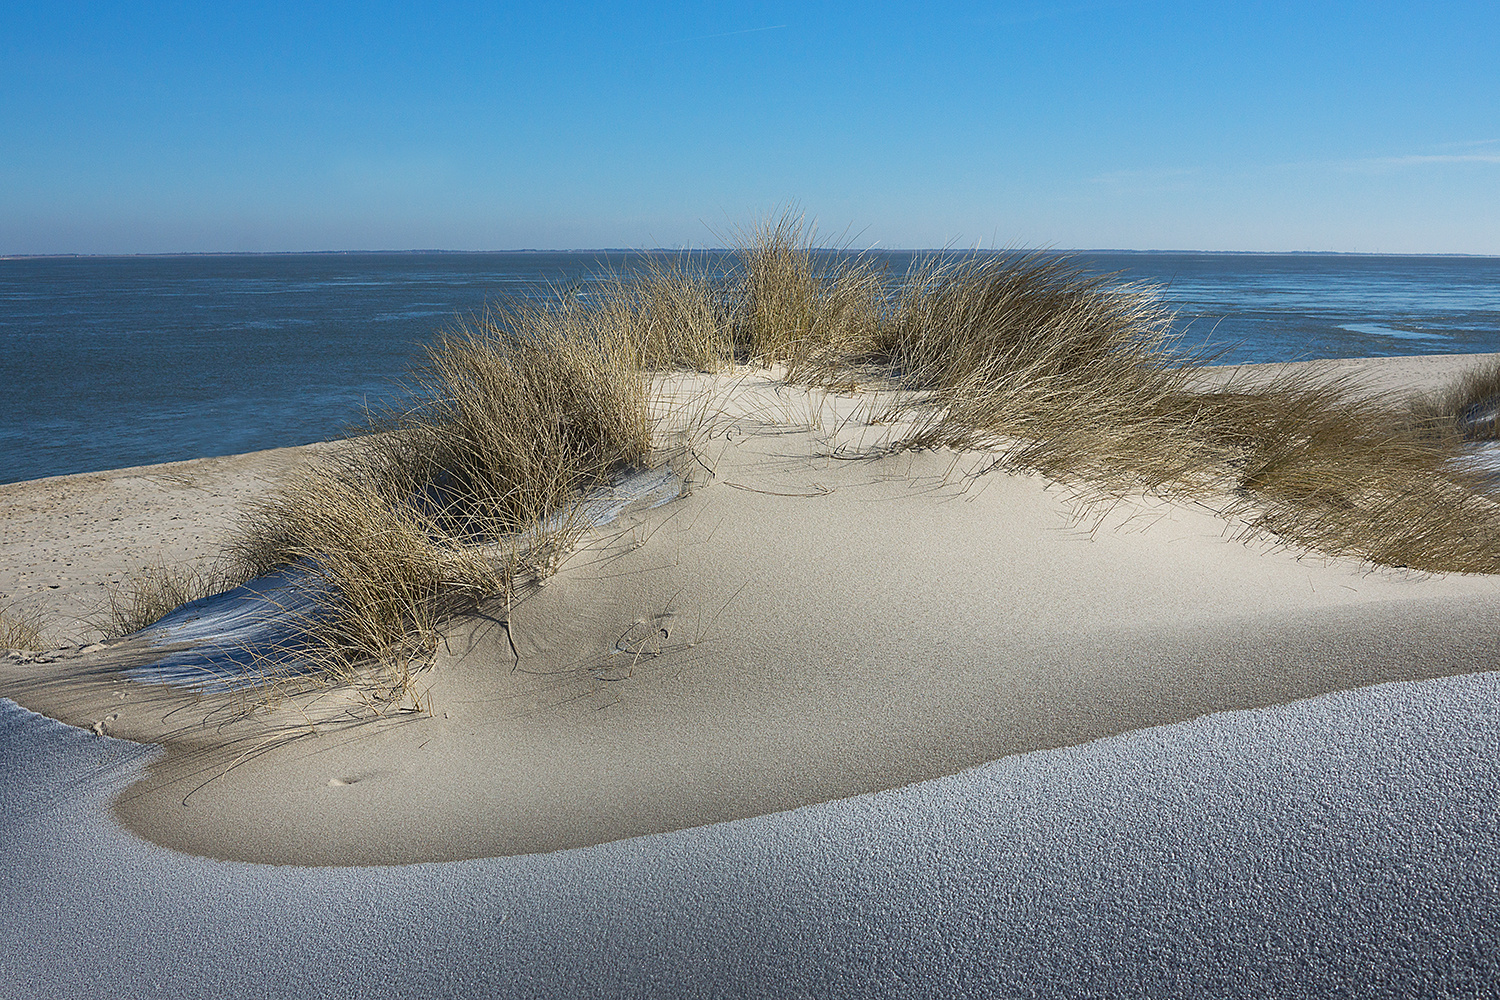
point(111, 362)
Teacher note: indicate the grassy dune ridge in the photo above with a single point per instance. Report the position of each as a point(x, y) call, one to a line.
point(456, 500)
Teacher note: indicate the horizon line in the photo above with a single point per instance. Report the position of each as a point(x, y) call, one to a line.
point(649, 250)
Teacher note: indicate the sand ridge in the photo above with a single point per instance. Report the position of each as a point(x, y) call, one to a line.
point(817, 618)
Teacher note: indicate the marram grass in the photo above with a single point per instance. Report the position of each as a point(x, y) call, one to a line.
point(458, 499)
point(151, 592)
point(1470, 406)
point(25, 629)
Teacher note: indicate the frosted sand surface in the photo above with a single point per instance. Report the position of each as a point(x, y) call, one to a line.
point(1345, 845)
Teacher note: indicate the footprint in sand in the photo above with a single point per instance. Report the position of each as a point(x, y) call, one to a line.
point(352, 779)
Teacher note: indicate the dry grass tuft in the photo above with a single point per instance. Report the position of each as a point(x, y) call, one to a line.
point(1062, 372)
point(781, 299)
point(154, 591)
point(462, 496)
point(20, 629)
point(512, 418)
point(1470, 406)
point(1066, 373)
point(808, 308)
point(385, 573)
point(1328, 467)
point(675, 316)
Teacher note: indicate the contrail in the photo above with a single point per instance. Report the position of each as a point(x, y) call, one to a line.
point(726, 34)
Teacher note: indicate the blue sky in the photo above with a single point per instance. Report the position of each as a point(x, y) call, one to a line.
point(132, 128)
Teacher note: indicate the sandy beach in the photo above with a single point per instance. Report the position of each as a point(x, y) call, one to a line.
point(835, 720)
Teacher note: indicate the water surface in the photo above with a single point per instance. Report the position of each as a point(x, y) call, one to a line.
point(117, 361)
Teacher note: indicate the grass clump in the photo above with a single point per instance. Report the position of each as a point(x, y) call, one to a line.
point(1470, 406)
point(383, 572)
point(795, 304)
point(1072, 375)
point(1327, 467)
point(24, 629)
point(1065, 372)
point(779, 299)
point(671, 314)
point(513, 417)
point(150, 594)
point(460, 497)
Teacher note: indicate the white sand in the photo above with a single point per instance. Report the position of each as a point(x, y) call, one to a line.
point(1401, 376)
point(1343, 846)
point(814, 622)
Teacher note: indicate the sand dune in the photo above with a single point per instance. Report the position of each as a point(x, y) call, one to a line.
point(815, 618)
point(699, 702)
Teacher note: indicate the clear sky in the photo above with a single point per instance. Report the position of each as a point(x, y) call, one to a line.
point(163, 127)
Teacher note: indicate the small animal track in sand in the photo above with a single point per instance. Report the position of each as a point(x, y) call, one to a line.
point(346, 780)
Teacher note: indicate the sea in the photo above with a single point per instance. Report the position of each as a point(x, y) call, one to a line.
point(108, 362)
